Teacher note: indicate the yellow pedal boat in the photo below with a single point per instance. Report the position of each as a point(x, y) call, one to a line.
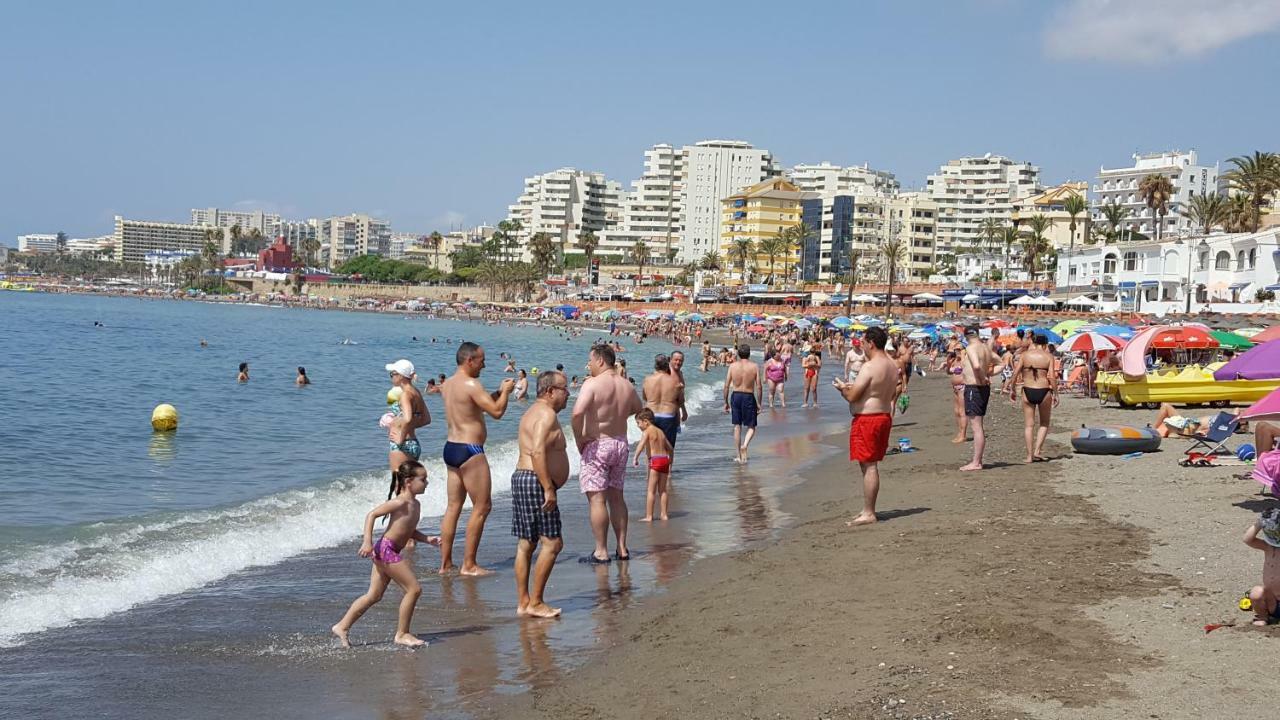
point(1189, 385)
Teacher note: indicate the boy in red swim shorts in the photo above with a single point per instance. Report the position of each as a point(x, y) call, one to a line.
point(654, 443)
point(870, 397)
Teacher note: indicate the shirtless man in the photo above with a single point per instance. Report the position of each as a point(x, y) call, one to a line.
point(541, 471)
point(661, 394)
point(600, 414)
point(1033, 372)
point(870, 399)
point(743, 395)
point(978, 363)
point(706, 355)
point(853, 360)
point(677, 369)
point(465, 405)
point(413, 414)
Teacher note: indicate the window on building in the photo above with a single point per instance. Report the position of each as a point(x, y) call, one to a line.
point(1131, 261)
point(1109, 264)
point(1222, 261)
point(1253, 258)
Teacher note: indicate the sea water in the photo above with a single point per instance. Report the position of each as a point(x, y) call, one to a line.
point(202, 551)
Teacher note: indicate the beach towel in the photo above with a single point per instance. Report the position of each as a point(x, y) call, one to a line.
point(1267, 470)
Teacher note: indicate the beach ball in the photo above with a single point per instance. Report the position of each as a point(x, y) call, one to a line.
point(1245, 603)
point(534, 371)
point(164, 418)
point(393, 395)
point(1246, 452)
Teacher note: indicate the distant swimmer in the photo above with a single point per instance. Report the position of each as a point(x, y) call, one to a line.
point(97, 323)
point(244, 373)
point(541, 470)
point(415, 338)
point(390, 561)
point(511, 365)
point(302, 378)
point(870, 398)
point(522, 385)
point(204, 343)
point(465, 404)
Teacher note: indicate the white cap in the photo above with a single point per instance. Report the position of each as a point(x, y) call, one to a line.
point(403, 368)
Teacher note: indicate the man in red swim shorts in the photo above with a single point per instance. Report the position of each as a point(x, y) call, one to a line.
point(870, 398)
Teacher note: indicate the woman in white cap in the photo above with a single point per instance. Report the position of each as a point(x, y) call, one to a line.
point(413, 414)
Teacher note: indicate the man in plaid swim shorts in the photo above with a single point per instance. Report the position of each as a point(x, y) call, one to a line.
point(535, 517)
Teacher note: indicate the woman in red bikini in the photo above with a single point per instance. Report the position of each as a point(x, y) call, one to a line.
point(812, 365)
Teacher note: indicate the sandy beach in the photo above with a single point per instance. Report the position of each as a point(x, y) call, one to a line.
point(1077, 588)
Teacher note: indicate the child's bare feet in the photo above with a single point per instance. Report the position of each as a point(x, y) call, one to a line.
point(342, 636)
point(664, 517)
point(647, 518)
point(409, 640)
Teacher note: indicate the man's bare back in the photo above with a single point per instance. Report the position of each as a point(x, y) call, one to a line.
point(607, 401)
point(744, 376)
point(661, 392)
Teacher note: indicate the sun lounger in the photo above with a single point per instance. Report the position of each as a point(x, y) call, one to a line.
point(1212, 440)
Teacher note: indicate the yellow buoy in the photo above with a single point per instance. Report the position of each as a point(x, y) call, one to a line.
point(393, 395)
point(164, 418)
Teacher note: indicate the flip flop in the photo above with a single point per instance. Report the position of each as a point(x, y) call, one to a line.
point(593, 560)
point(622, 558)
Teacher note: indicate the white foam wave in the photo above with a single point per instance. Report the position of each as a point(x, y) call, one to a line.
point(118, 566)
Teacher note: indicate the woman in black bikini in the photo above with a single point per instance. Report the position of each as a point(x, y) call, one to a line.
point(1034, 372)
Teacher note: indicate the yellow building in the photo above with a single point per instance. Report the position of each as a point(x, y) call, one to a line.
point(1050, 203)
point(760, 213)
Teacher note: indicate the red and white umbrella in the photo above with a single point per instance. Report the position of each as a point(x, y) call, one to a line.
point(1182, 337)
point(1091, 342)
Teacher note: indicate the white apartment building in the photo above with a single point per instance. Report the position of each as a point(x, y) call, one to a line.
point(81, 246)
point(400, 242)
point(651, 210)
point(301, 235)
point(712, 170)
point(351, 236)
point(972, 189)
point(266, 223)
point(914, 216)
point(133, 239)
point(831, 180)
point(38, 243)
point(1121, 185)
point(1219, 268)
point(564, 204)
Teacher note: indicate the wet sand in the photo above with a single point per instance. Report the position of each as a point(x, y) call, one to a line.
point(1069, 589)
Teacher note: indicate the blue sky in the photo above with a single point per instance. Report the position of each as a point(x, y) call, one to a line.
point(431, 114)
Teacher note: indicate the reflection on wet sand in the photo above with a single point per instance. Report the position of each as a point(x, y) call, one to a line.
point(412, 698)
point(669, 560)
point(540, 669)
point(753, 512)
point(477, 667)
point(612, 598)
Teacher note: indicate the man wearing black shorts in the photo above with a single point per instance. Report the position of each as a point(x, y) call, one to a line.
point(978, 362)
point(743, 392)
point(541, 470)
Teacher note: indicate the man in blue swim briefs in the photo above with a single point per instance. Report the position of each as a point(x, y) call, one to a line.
point(413, 415)
point(465, 404)
point(743, 392)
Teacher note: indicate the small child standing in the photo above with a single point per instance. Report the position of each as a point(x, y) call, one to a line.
point(402, 510)
point(654, 444)
point(1264, 535)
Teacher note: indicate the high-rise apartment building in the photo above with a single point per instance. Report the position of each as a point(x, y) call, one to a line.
point(104, 245)
point(913, 216)
point(759, 213)
point(351, 236)
point(564, 204)
point(266, 223)
point(832, 180)
point(133, 239)
point(1120, 185)
point(709, 172)
point(972, 189)
point(851, 229)
point(651, 210)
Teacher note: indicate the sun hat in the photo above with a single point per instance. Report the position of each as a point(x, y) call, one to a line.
point(403, 368)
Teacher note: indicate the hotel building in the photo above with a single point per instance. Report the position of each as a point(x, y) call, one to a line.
point(651, 210)
point(832, 180)
point(763, 211)
point(133, 239)
point(564, 204)
point(38, 243)
point(711, 171)
point(266, 223)
point(351, 236)
point(1120, 185)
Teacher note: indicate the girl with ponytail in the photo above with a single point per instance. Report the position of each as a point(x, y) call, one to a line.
point(402, 511)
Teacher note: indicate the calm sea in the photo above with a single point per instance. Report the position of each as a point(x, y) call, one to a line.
point(134, 563)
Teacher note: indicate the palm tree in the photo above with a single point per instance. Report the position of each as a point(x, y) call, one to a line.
point(709, 261)
point(1238, 215)
point(236, 235)
point(1034, 243)
point(740, 251)
point(436, 241)
point(1115, 214)
point(640, 255)
point(588, 242)
point(794, 239)
point(1255, 176)
point(1206, 211)
point(1156, 191)
point(1075, 206)
point(507, 237)
point(773, 247)
point(893, 250)
point(988, 233)
point(543, 251)
point(257, 241)
point(1008, 236)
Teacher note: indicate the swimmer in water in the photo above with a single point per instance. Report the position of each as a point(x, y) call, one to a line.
point(244, 373)
point(302, 378)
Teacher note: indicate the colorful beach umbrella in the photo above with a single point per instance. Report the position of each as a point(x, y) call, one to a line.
point(1248, 332)
point(1259, 363)
point(1267, 409)
point(1182, 337)
point(1065, 327)
point(1271, 333)
point(1091, 342)
point(1230, 340)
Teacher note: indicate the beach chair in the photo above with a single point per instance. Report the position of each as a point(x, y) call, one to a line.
point(1212, 441)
